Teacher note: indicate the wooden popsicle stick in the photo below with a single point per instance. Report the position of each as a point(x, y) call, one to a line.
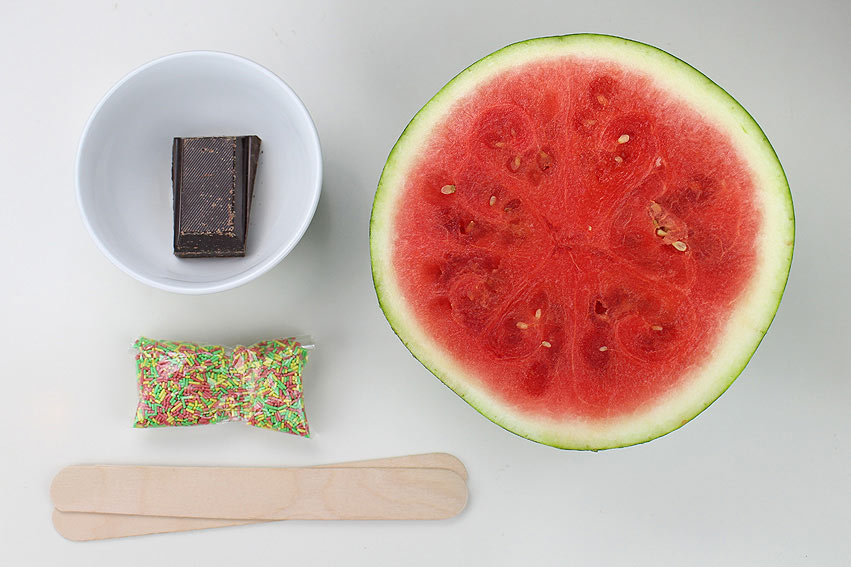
point(270, 494)
point(86, 526)
point(261, 493)
point(421, 461)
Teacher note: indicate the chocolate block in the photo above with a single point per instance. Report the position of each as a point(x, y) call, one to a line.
point(213, 181)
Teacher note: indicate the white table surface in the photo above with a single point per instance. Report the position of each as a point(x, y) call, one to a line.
point(761, 478)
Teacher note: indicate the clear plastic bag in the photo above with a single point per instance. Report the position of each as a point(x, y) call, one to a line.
point(182, 383)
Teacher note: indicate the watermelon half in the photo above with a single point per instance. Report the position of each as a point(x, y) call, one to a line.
point(584, 237)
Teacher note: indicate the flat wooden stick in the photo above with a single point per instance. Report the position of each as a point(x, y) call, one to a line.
point(262, 493)
point(421, 461)
point(84, 526)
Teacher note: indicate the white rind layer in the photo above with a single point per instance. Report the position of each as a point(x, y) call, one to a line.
point(748, 321)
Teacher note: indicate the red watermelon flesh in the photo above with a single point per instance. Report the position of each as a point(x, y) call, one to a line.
point(572, 239)
point(584, 224)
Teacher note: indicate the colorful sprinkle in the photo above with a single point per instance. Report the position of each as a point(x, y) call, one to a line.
point(189, 384)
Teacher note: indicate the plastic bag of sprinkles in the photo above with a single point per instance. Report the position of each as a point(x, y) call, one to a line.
point(183, 383)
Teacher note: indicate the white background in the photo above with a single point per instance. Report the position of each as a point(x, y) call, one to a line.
point(761, 478)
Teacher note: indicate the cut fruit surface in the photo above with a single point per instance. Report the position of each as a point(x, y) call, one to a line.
point(583, 237)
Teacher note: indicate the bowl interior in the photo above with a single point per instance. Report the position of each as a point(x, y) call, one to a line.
point(124, 166)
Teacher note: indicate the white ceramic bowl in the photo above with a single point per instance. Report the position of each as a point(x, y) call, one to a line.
point(124, 166)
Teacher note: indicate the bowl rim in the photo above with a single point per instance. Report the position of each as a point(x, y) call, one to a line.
point(314, 149)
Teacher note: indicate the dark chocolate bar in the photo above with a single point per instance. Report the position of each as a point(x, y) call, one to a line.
point(213, 181)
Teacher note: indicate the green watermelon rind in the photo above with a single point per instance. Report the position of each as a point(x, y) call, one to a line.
point(747, 325)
